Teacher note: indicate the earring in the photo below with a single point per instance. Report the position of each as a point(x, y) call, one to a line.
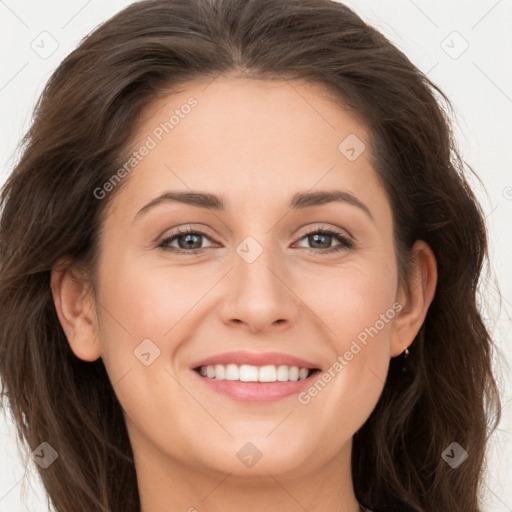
point(406, 355)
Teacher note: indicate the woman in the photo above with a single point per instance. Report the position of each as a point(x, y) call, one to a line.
point(175, 335)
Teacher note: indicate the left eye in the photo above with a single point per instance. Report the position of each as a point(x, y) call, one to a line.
point(321, 236)
point(189, 241)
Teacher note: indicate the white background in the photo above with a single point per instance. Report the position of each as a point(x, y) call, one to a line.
point(478, 81)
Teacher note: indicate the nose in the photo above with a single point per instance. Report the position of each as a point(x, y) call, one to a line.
point(258, 296)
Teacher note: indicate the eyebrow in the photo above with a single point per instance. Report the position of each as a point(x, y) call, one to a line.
point(298, 201)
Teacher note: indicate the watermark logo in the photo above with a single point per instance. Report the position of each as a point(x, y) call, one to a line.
point(352, 147)
point(249, 455)
point(44, 45)
point(45, 455)
point(146, 352)
point(454, 45)
point(454, 455)
point(249, 249)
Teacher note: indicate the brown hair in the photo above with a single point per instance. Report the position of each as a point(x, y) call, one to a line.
point(83, 125)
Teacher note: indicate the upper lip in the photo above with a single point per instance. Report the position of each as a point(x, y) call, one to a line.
point(254, 359)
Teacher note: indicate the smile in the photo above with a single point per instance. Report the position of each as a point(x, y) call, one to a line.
point(250, 373)
point(255, 377)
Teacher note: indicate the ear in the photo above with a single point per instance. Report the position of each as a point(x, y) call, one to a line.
point(76, 310)
point(416, 299)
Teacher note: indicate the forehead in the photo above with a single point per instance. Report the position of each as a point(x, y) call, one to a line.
point(254, 141)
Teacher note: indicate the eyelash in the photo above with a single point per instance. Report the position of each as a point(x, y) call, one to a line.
point(345, 243)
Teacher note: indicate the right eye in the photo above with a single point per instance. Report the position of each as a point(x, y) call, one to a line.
point(187, 240)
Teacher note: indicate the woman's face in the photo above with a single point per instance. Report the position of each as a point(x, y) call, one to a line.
point(261, 169)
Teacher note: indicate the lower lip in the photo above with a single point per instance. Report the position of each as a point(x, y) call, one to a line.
point(256, 391)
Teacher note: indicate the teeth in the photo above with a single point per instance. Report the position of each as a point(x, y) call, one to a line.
point(232, 372)
point(267, 373)
point(220, 371)
point(250, 373)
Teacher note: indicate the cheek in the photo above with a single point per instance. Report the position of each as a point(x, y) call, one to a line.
point(141, 302)
point(354, 301)
point(363, 317)
point(140, 306)
point(357, 310)
point(148, 301)
point(134, 308)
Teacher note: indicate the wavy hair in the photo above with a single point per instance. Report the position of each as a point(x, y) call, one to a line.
point(83, 124)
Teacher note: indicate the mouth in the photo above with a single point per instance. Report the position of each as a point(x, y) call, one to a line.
point(255, 377)
point(251, 373)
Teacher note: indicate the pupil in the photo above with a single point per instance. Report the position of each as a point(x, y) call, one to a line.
point(188, 239)
point(315, 237)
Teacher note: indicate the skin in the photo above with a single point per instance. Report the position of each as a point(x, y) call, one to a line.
point(255, 143)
